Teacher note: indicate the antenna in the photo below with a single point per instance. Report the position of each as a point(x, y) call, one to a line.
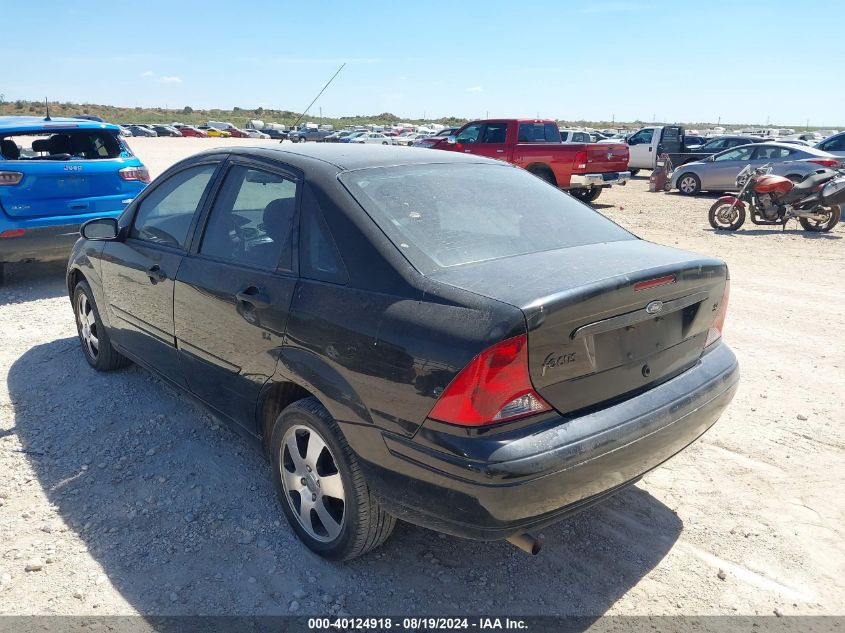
point(318, 95)
point(47, 105)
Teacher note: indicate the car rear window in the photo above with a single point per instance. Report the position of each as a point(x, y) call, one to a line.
point(63, 145)
point(447, 215)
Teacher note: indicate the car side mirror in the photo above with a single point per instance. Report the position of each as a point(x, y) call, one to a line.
point(451, 139)
point(100, 229)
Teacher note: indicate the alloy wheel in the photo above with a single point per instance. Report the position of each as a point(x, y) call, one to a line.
point(313, 485)
point(88, 329)
point(688, 184)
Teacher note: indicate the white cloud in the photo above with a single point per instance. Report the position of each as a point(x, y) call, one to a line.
point(170, 79)
point(475, 89)
point(147, 73)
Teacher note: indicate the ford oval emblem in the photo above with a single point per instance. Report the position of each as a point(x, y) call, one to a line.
point(654, 307)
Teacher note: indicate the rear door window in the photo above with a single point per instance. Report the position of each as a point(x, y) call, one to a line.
point(250, 222)
point(165, 214)
point(771, 153)
point(495, 133)
point(538, 133)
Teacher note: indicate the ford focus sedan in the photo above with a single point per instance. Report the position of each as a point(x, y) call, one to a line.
point(441, 339)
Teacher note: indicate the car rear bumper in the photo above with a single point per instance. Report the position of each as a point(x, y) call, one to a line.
point(41, 244)
point(45, 238)
point(507, 481)
point(605, 179)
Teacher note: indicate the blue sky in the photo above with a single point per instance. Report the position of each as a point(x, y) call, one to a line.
point(741, 61)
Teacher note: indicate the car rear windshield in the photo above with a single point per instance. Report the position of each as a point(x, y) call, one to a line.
point(63, 145)
point(446, 215)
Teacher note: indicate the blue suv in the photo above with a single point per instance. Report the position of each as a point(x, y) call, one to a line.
point(56, 174)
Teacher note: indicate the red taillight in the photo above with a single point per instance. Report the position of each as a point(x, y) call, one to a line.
point(10, 177)
point(493, 387)
point(12, 233)
point(580, 160)
point(652, 283)
point(715, 332)
point(135, 173)
point(824, 162)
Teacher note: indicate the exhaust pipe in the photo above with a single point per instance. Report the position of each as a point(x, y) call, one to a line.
point(526, 543)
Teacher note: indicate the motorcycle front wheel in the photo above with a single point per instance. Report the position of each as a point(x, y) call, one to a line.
point(724, 218)
point(822, 226)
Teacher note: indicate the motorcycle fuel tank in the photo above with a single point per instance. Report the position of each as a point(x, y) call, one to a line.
point(833, 193)
point(773, 184)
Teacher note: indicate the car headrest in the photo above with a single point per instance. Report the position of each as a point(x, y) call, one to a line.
point(9, 149)
point(60, 144)
point(277, 218)
point(41, 145)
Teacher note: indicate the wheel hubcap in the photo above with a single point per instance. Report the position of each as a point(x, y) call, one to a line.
point(312, 483)
point(726, 215)
point(687, 185)
point(88, 330)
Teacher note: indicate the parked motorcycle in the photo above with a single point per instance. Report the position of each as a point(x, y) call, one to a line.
point(774, 200)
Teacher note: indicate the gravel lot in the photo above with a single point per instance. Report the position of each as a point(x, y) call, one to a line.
point(120, 496)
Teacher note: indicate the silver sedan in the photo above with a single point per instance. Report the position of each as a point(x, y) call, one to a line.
point(718, 172)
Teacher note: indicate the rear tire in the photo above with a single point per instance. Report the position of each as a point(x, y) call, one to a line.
point(689, 184)
point(722, 219)
point(353, 525)
point(2, 273)
point(544, 173)
point(586, 195)
point(93, 336)
point(822, 227)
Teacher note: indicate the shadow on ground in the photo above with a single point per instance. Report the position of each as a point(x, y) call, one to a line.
point(182, 516)
point(776, 230)
point(32, 281)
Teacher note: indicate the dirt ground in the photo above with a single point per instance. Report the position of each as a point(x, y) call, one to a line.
point(120, 496)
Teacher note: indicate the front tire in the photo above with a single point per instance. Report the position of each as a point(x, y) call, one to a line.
point(723, 218)
point(93, 336)
point(815, 226)
point(320, 485)
point(634, 172)
point(689, 184)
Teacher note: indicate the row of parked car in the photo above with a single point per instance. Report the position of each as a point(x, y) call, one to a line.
point(180, 129)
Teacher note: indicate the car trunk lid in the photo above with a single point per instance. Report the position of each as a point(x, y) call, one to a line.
point(604, 320)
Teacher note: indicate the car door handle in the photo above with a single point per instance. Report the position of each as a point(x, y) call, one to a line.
point(253, 296)
point(500, 151)
point(156, 274)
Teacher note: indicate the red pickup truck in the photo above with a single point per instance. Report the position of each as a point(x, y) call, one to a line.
point(584, 169)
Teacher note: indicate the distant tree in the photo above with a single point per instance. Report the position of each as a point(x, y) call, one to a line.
point(187, 110)
point(258, 110)
point(236, 109)
point(19, 105)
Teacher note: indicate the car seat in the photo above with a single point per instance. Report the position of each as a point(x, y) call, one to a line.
point(276, 222)
point(9, 149)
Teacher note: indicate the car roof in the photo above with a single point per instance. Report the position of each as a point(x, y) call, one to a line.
point(348, 157)
point(34, 123)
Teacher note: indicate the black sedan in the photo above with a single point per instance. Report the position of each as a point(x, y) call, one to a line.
point(443, 339)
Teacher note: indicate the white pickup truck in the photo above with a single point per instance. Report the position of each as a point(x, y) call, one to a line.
point(647, 143)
